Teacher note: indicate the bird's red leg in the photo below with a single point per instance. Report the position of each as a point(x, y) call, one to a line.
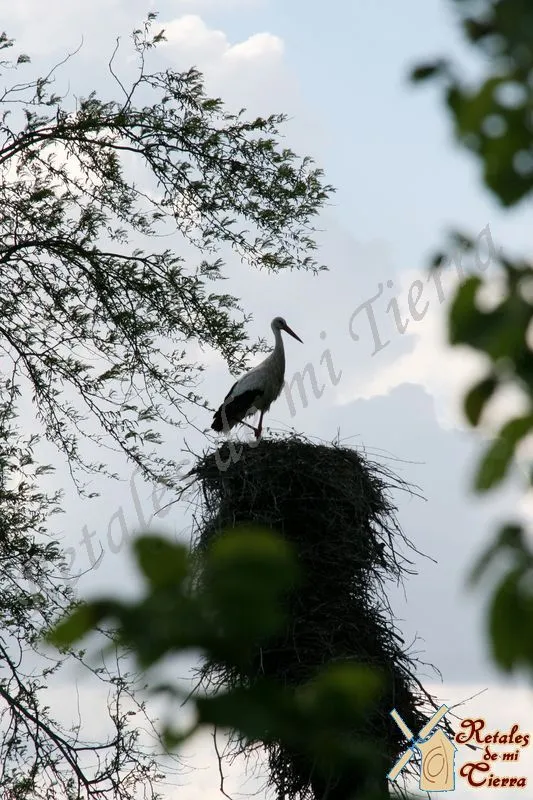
point(259, 427)
point(248, 425)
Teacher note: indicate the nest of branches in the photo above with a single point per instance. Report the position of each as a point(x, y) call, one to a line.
point(337, 509)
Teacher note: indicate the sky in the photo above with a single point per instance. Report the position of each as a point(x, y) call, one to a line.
point(341, 75)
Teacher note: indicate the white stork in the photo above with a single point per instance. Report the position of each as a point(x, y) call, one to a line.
point(257, 390)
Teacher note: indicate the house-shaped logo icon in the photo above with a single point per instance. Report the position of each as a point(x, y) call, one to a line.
point(437, 766)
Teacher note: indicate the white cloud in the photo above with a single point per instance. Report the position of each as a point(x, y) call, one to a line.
point(190, 34)
point(260, 45)
point(443, 371)
point(55, 28)
point(227, 4)
point(250, 73)
point(189, 37)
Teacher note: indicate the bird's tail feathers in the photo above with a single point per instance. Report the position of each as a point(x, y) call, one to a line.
point(217, 425)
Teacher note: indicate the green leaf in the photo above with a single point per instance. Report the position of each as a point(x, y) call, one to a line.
point(463, 311)
point(477, 398)
point(438, 260)
point(247, 573)
point(510, 621)
point(500, 332)
point(341, 692)
point(173, 739)
point(477, 30)
point(81, 621)
point(495, 130)
point(475, 107)
point(499, 154)
point(260, 548)
point(424, 71)
point(493, 465)
point(161, 562)
point(259, 712)
point(510, 537)
point(497, 458)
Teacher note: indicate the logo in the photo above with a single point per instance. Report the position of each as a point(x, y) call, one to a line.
point(480, 772)
point(436, 753)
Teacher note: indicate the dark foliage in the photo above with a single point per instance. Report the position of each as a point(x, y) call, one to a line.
point(492, 116)
point(41, 757)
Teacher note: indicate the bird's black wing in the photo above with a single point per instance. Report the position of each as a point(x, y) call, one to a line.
point(230, 391)
point(229, 414)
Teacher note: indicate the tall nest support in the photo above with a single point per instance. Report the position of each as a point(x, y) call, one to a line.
point(337, 510)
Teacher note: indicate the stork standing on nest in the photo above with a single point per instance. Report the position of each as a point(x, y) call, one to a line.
point(257, 390)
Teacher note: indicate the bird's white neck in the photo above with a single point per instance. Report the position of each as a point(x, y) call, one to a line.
point(278, 354)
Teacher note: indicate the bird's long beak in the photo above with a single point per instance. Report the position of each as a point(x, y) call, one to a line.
point(291, 333)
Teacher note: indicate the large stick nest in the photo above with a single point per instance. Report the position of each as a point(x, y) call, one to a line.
point(337, 509)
